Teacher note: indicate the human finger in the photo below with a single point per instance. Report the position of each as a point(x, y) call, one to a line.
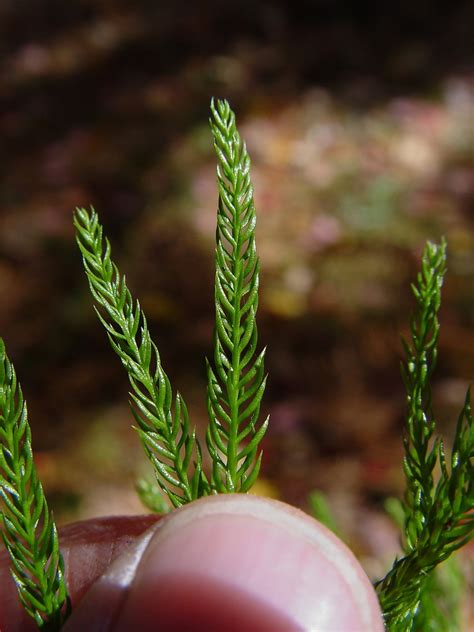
point(233, 563)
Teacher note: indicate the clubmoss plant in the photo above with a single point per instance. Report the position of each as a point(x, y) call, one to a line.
point(236, 383)
point(29, 531)
point(435, 519)
point(442, 595)
point(437, 516)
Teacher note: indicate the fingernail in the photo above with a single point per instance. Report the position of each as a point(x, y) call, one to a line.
point(239, 562)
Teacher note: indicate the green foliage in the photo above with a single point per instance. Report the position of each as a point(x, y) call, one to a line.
point(151, 496)
point(163, 426)
point(321, 510)
point(438, 518)
point(29, 531)
point(237, 382)
point(441, 597)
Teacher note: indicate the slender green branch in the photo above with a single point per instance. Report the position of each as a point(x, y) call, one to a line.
point(29, 531)
point(439, 518)
point(421, 355)
point(163, 427)
point(236, 383)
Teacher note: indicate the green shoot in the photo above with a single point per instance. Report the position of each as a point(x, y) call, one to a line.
point(29, 531)
point(438, 519)
point(164, 430)
point(236, 383)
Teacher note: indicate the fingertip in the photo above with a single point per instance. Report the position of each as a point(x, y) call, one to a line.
point(240, 562)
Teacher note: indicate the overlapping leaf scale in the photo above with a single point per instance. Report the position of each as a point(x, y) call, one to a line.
point(167, 439)
point(236, 381)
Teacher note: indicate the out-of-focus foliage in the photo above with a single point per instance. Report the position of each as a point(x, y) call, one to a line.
point(320, 509)
point(442, 598)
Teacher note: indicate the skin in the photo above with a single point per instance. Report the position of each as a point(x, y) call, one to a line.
point(233, 563)
point(88, 548)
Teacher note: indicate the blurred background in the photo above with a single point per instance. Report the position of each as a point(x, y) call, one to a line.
point(359, 123)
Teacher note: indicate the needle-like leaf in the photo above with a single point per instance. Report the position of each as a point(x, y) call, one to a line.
point(438, 519)
point(29, 531)
point(163, 427)
point(236, 382)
